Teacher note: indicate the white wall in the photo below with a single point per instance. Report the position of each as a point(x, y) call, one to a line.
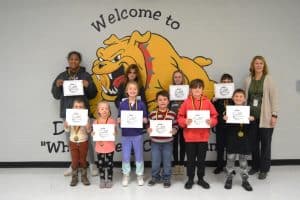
point(35, 37)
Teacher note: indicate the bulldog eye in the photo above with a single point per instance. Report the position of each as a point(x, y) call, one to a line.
point(100, 59)
point(117, 58)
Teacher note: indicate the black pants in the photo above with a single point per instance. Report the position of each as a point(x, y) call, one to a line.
point(179, 140)
point(105, 160)
point(196, 153)
point(220, 145)
point(261, 154)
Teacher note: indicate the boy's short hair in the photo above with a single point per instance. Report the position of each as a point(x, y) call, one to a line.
point(163, 93)
point(79, 100)
point(196, 83)
point(226, 76)
point(239, 90)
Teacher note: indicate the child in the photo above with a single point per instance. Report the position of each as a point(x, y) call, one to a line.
point(78, 147)
point(220, 105)
point(196, 138)
point(132, 137)
point(161, 147)
point(178, 79)
point(238, 144)
point(105, 149)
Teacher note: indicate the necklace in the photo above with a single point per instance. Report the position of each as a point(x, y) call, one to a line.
point(194, 106)
point(161, 112)
point(76, 128)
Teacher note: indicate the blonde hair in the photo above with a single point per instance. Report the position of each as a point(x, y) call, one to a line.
point(265, 70)
point(132, 83)
point(106, 103)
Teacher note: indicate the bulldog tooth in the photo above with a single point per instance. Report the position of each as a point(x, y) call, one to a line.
point(104, 89)
point(98, 77)
point(110, 76)
point(116, 90)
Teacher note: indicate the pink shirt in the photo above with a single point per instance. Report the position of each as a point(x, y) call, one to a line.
point(105, 146)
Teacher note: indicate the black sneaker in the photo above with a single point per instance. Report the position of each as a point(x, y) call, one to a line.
point(228, 183)
point(189, 184)
point(246, 185)
point(167, 184)
point(262, 175)
point(203, 183)
point(152, 182)
point(218, 170)
point(252, 171)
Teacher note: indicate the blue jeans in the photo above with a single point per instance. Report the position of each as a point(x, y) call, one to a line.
point(161, 153)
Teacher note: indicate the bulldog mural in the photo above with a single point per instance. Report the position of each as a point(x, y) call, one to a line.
point(157, 60)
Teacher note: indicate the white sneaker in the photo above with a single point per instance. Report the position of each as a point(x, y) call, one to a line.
point(125, 180)
point(140, 180)
point(94, 170)
point(68, 172)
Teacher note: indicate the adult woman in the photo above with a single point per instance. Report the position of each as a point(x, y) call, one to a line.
point(262, 98)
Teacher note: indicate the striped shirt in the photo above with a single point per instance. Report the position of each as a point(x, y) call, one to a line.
point(158, 115)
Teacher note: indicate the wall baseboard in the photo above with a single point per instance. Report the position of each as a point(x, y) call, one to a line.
point(36, 164)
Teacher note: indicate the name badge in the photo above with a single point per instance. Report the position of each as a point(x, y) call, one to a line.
point(255, 102)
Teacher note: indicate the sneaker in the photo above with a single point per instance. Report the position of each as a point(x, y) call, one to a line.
point(252, 171)
point(152, 182)
point(94, 170)
point(228, 183)
point(140, 180)
point(68, 172)
point(203, 183)
point(125, 180)
point(246, 185)
point(218, 170)
point(102, 184)
point(189, 184)
point(167, 184)
point(109, 184)
point(262, 175)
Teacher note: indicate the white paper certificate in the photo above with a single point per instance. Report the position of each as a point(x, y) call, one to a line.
point(178, 92)
point(104, 132)
point(198, 118)
point(131, 119)
point(77, 117)
point(224, 90)
point(73, 88)
point(161, 128)
point(238, 114)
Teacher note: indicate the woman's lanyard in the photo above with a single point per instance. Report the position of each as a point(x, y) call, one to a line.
point(194, 106)
point(164, 116)
point(136, 107)
point(76, 129)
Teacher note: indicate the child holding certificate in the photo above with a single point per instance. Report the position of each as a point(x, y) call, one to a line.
point(220, 105)
point(238, 144)
point(196, 138)
point(178, 142)
point(78, 147)
point(105, 149)
point(162, 145)
point(132, 137)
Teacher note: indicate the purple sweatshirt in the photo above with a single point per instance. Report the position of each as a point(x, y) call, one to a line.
point(125, 106)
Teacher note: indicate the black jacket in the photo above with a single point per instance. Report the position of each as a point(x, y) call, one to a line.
point(67, 101)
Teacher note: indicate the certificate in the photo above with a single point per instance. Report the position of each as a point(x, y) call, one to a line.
point(238, 114)
point(77, 117)
point(178, 92)
point(104, 132)
point(224, 90)
point(73, 88)
point(199, 118)
point(161, 128)
point(131, 119)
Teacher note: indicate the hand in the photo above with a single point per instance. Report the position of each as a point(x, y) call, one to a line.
point(118, 120)
point(225, 117)
point(145, 120)
point(59, 82)
point(214, 99)
point(66, 125)
point(149, 130)
point(92, 133)
point(174, 131)
point(188, 121)
point(85, 83)
point(273, 121)
point(251, 118)
point(208, 121)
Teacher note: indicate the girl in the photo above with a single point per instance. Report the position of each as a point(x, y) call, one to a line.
point(78, 147)
point(132, 74)
point(132, 137)
point(178, 79)
point(105, 149)
point(238, 144)
point(196, 138)
point(220, 105)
